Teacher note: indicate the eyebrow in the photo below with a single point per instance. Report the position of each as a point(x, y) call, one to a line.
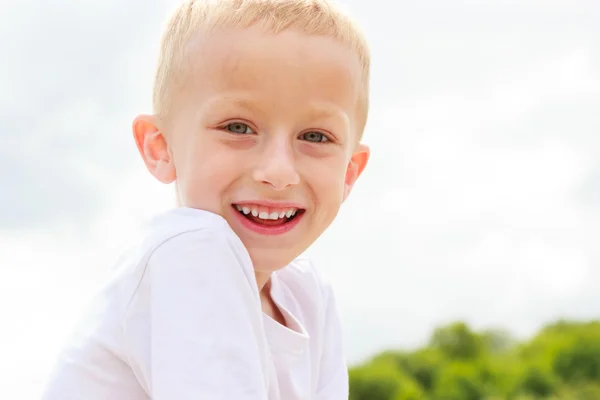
point(232, 99)
point(325, 110)
point(315, 110)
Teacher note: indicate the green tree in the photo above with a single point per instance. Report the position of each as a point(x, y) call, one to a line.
point(497, 341)
point(588, 391)
point(562, 362)
point(381, 379)
point(373, 383)
point(537, 382)
point(460, 381)
point(457, 342)
point(423, 365)
point(580, 362)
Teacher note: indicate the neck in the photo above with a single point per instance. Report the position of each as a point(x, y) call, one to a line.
point(262, 280)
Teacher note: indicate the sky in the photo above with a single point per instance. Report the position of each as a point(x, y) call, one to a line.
point(481, 201)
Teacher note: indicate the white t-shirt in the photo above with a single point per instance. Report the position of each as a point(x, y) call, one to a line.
point(182, 320)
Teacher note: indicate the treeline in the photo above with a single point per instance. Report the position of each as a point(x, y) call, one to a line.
point(562, 362)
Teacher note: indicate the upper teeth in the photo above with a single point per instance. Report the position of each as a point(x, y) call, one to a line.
point(264, 213)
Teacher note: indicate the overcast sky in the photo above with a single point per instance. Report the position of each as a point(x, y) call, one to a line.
point(481, 201)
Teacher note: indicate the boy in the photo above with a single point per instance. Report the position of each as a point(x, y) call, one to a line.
point(259, 108)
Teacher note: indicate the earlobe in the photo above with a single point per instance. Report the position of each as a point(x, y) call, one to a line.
point(356, 166)
point(153, 148)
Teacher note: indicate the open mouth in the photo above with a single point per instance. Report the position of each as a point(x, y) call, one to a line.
point(268, 216)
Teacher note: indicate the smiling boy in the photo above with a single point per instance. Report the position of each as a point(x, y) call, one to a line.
point(259, 108)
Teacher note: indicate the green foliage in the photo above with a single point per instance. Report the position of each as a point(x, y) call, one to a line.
point(457, 341)
point(537, 382)
point(579, 362)
point(423, 366)
point(497, 341)
point(374, 383)
point(586, 391)
point(562, 362)
point(382, 380)
point(460, 381)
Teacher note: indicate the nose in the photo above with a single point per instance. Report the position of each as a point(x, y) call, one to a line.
point(276, 165)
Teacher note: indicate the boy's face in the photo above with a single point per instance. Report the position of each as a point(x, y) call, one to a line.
point(264, 133)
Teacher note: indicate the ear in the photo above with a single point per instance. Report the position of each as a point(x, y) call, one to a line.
point(356, 166)
point(153, 148)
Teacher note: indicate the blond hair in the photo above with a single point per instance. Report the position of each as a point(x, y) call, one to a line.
point(313, 17)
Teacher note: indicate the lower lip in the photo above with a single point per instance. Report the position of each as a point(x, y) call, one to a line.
point(268, 230)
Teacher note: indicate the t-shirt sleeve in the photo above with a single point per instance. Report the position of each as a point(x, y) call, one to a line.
point(333, 376)
point(206, 339)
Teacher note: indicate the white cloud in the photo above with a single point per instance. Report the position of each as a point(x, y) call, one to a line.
point(43, 282)
point(459, 219)
point(48, 276)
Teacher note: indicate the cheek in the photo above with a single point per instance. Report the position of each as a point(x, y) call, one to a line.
point(328, 182)
point(205, 176)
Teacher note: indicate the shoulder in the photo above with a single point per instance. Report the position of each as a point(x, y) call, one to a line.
point(166, 239)
point(175, 228)
point(179, 223)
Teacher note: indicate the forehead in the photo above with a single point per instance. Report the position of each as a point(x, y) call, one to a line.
point(286, 69)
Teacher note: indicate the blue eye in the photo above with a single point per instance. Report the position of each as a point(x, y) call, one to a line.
point(314, 137)
point(239, 128)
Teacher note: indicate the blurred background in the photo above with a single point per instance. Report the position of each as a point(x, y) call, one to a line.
point(467, 260)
